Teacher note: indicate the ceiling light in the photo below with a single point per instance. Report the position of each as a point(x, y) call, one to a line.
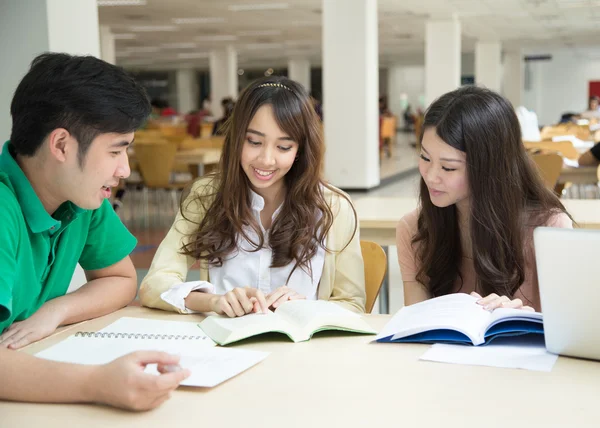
point(121, 2)
point(202, 20)
point(217, 38)
point(124, 36)
point(192, 55)
point(260, 33)
point(261, 6)
point(254, 46)
point(143, 49)
point(183, 45)
point(150, 28)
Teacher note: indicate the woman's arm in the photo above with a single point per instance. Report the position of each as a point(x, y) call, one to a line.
point(169, 267)
point(348, 287)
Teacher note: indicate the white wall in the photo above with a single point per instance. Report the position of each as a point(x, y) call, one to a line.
point(187, 91)
point(350, 54)
point(442, 58)
point(73, 27)
point(299, 70)
point(563, 84)
point(408, 80)
point(33, 41)
point(28, 28)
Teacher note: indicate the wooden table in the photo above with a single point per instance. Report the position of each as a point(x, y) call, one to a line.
point(378, 217)
point(343, 380)
point(196, 158)
point(579, 175)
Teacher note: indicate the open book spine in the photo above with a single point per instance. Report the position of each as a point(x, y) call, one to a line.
point(138, 336)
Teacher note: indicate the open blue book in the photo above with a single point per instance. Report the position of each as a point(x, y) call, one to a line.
point(457, 318)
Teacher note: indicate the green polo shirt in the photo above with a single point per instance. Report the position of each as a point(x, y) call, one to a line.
point(39, 251)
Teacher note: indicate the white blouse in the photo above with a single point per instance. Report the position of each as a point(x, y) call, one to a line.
point(252, 269)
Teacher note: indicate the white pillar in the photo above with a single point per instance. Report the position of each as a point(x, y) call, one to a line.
point(107, 45)
point(350, 111)
point(299, 70)
point(223, 76)
point(37, 26)
point(512, 78)
point(406, 86)
point(442, 58)
point(187, 90)
point(488, 66)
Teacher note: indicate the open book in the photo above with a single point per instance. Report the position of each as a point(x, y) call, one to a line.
point(208, 364)
point(457, 318)
point(299, 319)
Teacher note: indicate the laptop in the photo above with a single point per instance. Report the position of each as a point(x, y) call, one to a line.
point(568, 267)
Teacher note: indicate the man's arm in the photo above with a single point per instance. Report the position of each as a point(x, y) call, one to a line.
point(591, 157)
point(121, 383)
point(108, 289)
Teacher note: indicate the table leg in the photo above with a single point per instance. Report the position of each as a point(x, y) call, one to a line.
point(384, 293)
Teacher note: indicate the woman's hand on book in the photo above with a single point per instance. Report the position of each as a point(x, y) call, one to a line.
point(493, 301)
point(239, 302)
point(282, 294)
point(123, 383)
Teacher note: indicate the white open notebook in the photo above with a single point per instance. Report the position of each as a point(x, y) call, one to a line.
point(209, 365)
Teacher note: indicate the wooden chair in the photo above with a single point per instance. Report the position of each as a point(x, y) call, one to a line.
point(418, 127)
point(206, 129)
point(550, 166)
point(156, 162)
point(388, 133)
point(375, 267)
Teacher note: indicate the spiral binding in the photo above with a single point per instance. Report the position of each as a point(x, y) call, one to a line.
point(137, 336)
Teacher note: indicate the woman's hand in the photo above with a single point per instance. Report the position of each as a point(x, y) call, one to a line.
point(493, 301)
point(282, 294)
point(239, 302)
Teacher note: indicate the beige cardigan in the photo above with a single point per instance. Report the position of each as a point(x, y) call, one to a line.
point(342, 280)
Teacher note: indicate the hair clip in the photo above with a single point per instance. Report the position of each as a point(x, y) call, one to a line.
point(275, 85)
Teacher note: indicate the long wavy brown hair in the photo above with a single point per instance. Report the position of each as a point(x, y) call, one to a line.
point(507, 196)
point(306, 216)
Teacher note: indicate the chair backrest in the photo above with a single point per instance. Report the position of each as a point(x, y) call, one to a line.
point(550, 166)
point(215, 142)
point(418, 126)
point(155, 162)
point(388, 127)
point(375, 266)
point(206, 129)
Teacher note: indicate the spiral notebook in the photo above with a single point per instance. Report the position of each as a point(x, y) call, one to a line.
point(209, 365)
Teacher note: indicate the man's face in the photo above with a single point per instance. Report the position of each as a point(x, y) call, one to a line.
point(105, 163)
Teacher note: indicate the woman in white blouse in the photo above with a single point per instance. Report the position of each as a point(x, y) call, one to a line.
point(266, 228)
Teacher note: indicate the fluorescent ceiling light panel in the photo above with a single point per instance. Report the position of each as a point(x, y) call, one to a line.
point(217, 38)
point(192, 55)
point(183, 45)
point(125, 36)
point(143, 49)
point(199, 20)
point(260, 6)
point(121, 2)
point(260, 33)
point(253, 46)
point(152, 28)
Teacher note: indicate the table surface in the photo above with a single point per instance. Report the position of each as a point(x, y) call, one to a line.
point(385, 212)
point(343, 380)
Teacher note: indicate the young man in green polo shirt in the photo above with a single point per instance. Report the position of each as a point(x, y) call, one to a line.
point(73, 119)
